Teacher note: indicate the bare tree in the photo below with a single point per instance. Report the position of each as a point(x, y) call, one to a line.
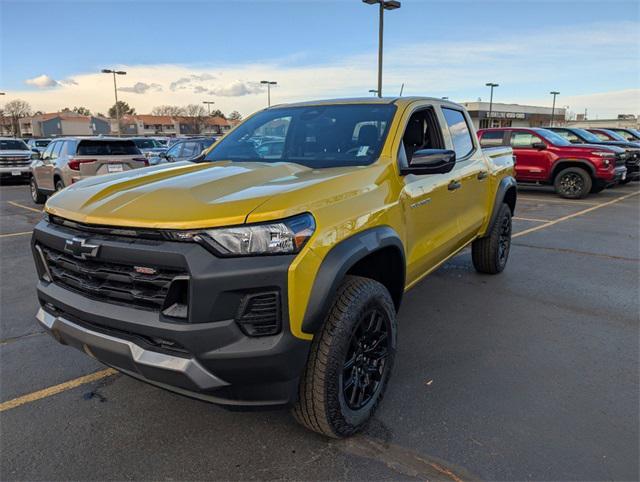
point(197, 113)
point(15, 110)
point(169, 110)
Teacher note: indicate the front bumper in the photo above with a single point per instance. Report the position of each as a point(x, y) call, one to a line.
point(15, 172)
point(620, 174)
point(206, 355)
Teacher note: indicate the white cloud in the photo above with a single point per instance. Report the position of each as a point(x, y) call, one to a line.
point(141, 88)
point(594, 66)
point(42, 81)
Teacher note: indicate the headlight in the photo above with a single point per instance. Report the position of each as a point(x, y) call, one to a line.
point(287, 236)
point(604, 154)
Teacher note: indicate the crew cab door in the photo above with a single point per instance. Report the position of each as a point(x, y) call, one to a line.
point(470, 174)
point(43, 171)
point(532, 155)
point(428, 202)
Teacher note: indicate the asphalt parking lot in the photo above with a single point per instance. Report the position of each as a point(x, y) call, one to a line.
point(532, 374)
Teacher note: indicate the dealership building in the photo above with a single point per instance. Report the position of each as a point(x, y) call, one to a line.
point(511, 115)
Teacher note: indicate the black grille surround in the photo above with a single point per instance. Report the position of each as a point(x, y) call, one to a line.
point(111, 282)
point(259, 314)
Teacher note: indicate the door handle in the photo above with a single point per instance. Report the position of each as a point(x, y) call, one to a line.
point(482, 175)
point(453, 185)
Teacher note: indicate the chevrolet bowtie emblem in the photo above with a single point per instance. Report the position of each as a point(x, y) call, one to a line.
point(79, 248)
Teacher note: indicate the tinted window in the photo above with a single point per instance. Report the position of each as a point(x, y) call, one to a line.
point(587, 136)
point(552, 137)
point(175, 150)
point(492, 139)
point(460, 133)
point(106, 148)
point(145, 143)
point(57, 147)
point(614, 135)
point(190, 149)
point(44, 143)
point(602, 136)
point(13, 145)
point(314, 136)
point(47, 152)
point(523, 140)
point(568, 135)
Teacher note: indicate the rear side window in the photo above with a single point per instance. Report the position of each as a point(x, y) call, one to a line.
point(523, 140)
point(492, 139)
point(191, 149)
point(106, 148)
point(460, 132)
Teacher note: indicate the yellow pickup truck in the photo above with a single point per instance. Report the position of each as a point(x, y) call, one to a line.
point(269, 269)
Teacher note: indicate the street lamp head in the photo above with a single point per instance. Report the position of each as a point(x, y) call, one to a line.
point(121, 72)
point(391, 5)
point(553, 92)
point(491, 84)
point(106, 71)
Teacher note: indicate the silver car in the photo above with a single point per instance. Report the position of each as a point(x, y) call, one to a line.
point(15, 159)
point(70, 159)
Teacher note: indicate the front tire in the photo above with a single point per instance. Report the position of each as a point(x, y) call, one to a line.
point(573, 183)
point(59, 185)
point(350, 360)
point(491, 253)
point(37, 195)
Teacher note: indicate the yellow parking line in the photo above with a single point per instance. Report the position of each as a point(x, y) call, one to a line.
point(13, 203)
point(518, 218)
point(14, 234)
point(47, 392)
point(579, 213)
point(556, 201)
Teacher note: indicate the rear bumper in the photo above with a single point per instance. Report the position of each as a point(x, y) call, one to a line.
point(207, 355)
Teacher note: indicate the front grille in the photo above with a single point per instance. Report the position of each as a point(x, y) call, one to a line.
point(259, 313)
point(15, 161)
point(112, 282)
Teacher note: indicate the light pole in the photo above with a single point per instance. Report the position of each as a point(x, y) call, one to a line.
point(553, 109)
point(115, 91)
point(268, 83)
point(491, 85)
point(383, 5)
point(209, 103)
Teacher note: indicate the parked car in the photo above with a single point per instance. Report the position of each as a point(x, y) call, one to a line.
point(583, 136)
point(148, 146)
point(183, 150)
point(606, 134)
point(70, 159)
point(275, 281)
point(15, 159)
point(163, 141)
point(544, 157)
point(38, 145)
point(631, 135)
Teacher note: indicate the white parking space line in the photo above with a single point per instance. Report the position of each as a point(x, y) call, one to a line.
point(536, 220)
point(15, 234)
point(18, 205)
point(556, 201)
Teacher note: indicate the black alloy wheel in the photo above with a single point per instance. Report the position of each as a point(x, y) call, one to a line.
point(365, 364)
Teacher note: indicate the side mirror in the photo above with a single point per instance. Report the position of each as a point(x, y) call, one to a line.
point(430, 161)
point(35, 154)
point(539, 145)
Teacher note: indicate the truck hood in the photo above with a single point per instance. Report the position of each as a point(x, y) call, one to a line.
point(185, 195)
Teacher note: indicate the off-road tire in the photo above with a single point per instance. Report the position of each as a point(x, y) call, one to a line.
point(486, 253)
point(573, 183)
point(37, 195)
point(59, 185)
point(322, 405)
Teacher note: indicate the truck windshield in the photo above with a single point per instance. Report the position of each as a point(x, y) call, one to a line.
point(588, 136)
point(12, 145)
point(552, 137)
point(315, 136)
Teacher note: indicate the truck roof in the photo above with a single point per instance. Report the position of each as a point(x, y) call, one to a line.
point(400, 101)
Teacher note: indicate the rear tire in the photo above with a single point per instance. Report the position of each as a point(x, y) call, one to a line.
point(491, 253)
point(59, 185)
point(350, 360)
point(37, 195)
point(573, 183)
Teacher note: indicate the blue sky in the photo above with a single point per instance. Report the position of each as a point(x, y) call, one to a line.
point(584, 49)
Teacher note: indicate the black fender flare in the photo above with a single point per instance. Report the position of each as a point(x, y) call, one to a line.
point(589, 167)
point(337, 263)
point(506, 183)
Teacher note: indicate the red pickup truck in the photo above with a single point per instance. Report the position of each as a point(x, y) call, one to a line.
point(544, 157)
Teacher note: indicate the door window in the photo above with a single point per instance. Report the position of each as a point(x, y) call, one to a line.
point(523, 140)
point(57, 147)
point(460, 132)
point(190, 149)
point(46, 155)
point(492, 139)
point(174, 152)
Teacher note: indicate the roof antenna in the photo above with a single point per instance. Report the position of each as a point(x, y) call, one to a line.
point(401, 89)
